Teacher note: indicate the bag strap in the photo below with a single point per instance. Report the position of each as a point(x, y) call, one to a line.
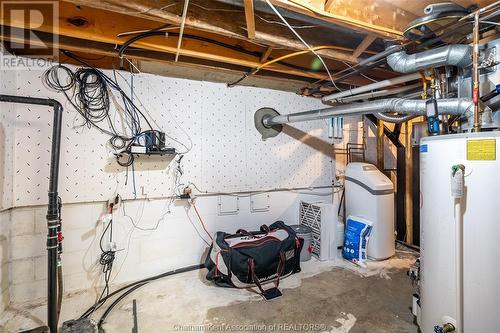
point(244, 232)
point(281, 268)
point(265, 228)
point(255, 280)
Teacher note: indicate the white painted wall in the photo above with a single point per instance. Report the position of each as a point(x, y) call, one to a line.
point(7, 140)
point(178, 240)
point(228, 155)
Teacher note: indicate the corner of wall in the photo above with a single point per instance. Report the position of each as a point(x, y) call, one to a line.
point(5, 221)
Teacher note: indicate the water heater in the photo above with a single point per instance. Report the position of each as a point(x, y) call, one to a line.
point(477, 215)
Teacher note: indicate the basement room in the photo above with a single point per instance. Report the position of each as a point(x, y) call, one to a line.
point(249, 166)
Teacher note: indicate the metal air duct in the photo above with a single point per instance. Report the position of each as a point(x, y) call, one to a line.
point(451, 55)
point(268, 121)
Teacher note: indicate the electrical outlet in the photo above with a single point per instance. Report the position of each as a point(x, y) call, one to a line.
point(116, 200)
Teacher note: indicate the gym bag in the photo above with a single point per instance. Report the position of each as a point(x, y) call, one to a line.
point(248, 259)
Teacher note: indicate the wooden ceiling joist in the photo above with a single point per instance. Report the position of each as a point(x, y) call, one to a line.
point(266, 54)
point(138, 9)
point(369, 39)
point(250, 18)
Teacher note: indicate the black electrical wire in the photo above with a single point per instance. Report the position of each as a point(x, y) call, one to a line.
point(141, 283)
point(91, 98)
point(152, 33)
point(106, 260)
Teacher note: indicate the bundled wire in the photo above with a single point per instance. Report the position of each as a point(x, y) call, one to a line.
point(106, 260)
point(89, 91)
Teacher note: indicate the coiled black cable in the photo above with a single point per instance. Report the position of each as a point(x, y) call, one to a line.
point(91, 98)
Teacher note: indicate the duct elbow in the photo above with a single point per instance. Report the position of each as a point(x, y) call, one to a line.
point(451, 55)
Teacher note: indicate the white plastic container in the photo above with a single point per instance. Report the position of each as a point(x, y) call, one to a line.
point(369, 194)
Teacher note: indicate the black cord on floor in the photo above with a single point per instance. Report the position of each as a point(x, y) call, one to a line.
point(142, 282)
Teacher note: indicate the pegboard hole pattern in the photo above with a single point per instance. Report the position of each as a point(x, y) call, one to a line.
point(227, 155)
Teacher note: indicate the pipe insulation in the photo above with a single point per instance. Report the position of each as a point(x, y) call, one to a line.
point(414, 107)
point(335, 98)
point(458, 55)
point(378, 93)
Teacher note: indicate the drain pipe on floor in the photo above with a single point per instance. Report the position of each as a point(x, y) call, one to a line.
point(53, 216)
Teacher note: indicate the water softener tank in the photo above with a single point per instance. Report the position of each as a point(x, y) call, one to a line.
point(369, 194)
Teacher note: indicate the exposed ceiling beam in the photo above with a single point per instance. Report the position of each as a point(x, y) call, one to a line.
point(75, 40)
point(369, 16)
point(250, 19)
point(266, 54)
point(369, 39)
point(108, 50)
point(138, 9)
point(103, 29)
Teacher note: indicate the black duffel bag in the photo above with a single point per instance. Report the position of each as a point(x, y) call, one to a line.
point(248, 259)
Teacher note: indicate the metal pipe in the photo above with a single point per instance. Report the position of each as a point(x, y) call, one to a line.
point(378, 93)
point(455, 106)
point(333, 98)
point(458, 55)
point(475, 74)
point(53, 218)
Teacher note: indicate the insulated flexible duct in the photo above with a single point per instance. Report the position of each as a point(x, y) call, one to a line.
point(451, 55)
point(417, 107)
point(392, 118)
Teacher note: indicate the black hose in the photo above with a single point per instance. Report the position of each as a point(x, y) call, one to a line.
point(122, 296)
point(147, 280)
point(138, 284)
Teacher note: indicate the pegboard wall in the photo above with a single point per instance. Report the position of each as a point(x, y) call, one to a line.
point(227, 152)
point(7, 142)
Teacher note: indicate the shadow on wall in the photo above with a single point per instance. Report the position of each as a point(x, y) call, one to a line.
point(317, 144)
point(142, 163)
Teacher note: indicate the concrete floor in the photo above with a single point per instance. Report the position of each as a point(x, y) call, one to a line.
point(334, 297)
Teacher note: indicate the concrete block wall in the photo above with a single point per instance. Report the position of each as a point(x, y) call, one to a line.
point(5, 219)
point(177, 240)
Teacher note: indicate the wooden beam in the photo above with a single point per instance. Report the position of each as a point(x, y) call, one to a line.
point(97, 49)
point(371, 16)
point(266, 54)
point(191, 48)
point(329, 5)
point(138, 9)
point(250, 18)
point(104, 26)
point(380, 145)
point(369, 39)
point(101, 28)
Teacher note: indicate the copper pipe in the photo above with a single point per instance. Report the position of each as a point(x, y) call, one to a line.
point(475, 71)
